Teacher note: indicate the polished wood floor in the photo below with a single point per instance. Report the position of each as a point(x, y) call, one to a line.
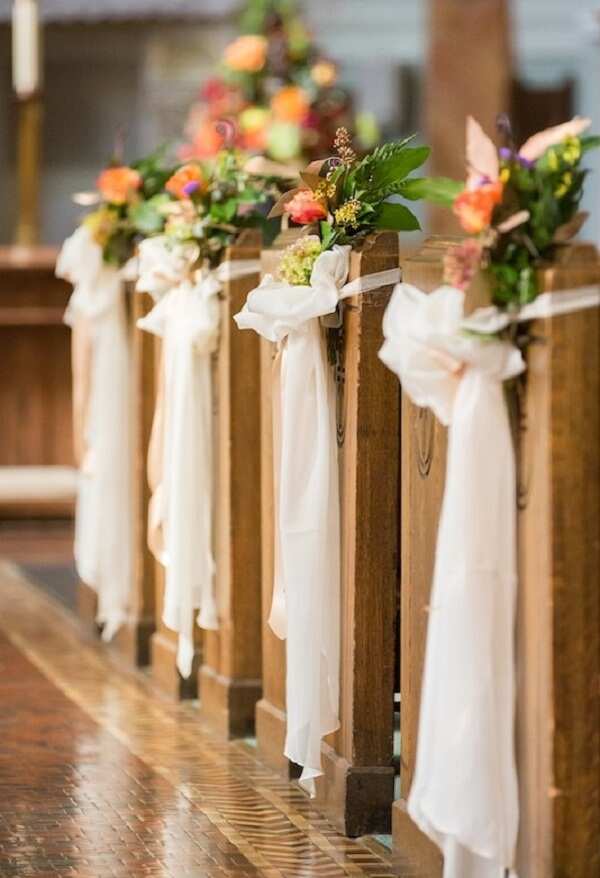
point(100, 777)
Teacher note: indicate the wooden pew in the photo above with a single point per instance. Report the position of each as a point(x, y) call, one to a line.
point(270, 710)
point(132, 641)
point(229, 680)
point(558, 619)
point(356, 790)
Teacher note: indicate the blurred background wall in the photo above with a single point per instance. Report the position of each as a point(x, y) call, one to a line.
point(141, 76)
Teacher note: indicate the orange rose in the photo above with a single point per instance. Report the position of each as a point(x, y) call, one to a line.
point(474, 207)
point(117, 185)
point(290, 104)
point(304, 208)
point(185, 181)
point(247, 54)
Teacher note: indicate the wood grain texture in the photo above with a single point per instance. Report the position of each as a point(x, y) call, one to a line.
point(558, 622)
point(132, 640)
point(357, 788)
point(35, 379)
point(478, 30)
point(230, 676)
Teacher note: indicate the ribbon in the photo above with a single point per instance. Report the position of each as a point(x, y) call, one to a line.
point(306, 593)
point(464, 794)
point(180, 454)
point(101, 422)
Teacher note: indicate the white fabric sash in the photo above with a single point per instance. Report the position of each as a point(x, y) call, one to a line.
point(181, 449)
point(464, 794)
point(102, 422)
point(306, 594)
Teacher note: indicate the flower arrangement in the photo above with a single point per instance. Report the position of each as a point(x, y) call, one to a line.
point(208, 204)
point(124, 196)
point(519, 204)
point(282, 93)
point(344, 198)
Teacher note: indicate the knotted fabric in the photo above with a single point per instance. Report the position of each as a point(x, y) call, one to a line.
point(464, 794)
point(180, 455)
point(306, 594)
point(102, 425)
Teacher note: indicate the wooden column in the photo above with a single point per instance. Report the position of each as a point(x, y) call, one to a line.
point(132, 640)
point(558, 616)
point(469, 67)
point(357, 788)
point(558, 621)
point(230, 677)
point(270, 710)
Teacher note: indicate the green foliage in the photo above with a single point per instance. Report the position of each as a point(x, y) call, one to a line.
point(148, 217)
point(550, 191)
point(396, 218)
point(438, 190)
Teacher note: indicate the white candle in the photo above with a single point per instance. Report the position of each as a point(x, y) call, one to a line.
point(25, 47)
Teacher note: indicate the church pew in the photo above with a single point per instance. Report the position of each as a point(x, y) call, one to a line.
point(558, 613)
point(356, 789)
point(229, 680)
point(132, 641)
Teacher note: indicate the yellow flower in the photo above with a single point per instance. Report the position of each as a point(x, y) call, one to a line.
point(505, 175)
point(564, 186)
point(347, 214)
point(572, 150)
point(323, 73)
point(552, 160)
point(102, 224)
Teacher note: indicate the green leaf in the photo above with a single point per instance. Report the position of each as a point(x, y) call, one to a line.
point(327, 235)
point(385, 175)
point(146, 215)
point(439, 190)
point(590, 142)
point(393, 217)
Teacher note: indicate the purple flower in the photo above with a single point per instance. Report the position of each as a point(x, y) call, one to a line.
point(191, 187)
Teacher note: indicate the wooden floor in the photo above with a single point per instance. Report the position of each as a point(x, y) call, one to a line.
point(99, 777)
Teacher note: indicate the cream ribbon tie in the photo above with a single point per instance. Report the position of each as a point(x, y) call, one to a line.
point(306, 593)
point(102, 427)
point(180, 455)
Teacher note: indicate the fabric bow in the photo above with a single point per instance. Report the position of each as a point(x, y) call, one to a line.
point(180, 457)
point(464, 793)
point(306, 594)
point(102, 426)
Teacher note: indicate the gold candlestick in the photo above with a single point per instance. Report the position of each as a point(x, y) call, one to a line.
point(26, 62)
point(28, 170)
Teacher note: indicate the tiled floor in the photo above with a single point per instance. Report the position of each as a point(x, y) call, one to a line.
point(99, 777)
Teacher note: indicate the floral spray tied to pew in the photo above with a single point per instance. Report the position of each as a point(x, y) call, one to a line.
point(97, 260)
point(340, 202)
point(519, 205)
point(202, 210)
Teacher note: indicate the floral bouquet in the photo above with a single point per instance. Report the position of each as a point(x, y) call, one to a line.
point(344, 198)
point(281, 92)
point(125, 195)
point(519, 205)
point(207, 205)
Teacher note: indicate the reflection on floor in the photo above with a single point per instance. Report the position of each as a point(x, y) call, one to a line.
point(99, 777)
